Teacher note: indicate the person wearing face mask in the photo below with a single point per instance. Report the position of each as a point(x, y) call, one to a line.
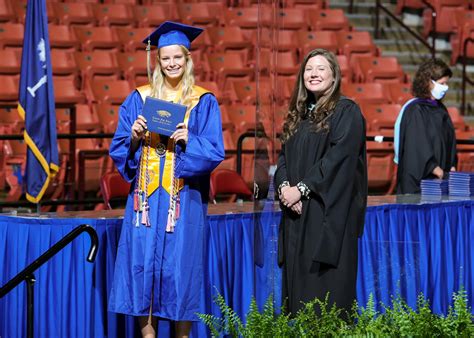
point(159, 269)
point(425, 142)
point(322, 183)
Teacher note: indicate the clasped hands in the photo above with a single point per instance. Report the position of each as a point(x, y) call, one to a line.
point(290, 197)
point(139, 129)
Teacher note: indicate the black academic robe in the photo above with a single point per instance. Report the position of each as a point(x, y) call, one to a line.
point(318, 249)
point(427, 140)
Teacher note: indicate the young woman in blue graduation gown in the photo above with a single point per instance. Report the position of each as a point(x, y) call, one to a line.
point(160, 259)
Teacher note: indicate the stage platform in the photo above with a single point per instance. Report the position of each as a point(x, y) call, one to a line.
point(410, 245)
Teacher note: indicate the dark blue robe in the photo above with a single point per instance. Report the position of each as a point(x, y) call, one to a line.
point(152, 263)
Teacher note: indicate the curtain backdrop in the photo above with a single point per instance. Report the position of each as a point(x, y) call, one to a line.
point(405, 250)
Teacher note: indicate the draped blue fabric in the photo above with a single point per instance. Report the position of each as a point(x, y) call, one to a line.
point(405, 249)
point(411, 249)
point(71, 294)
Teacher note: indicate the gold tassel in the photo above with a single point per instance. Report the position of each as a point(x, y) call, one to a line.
point(148, 57)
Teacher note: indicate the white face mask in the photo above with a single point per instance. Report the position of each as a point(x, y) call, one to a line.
point(439, 90)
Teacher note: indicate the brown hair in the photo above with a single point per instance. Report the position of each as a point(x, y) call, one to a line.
point(433, 69)
point(302, 98)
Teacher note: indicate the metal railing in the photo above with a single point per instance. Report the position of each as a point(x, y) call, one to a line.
point(380, 7)
point(27, 274)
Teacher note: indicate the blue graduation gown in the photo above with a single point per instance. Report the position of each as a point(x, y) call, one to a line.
point(153, 267)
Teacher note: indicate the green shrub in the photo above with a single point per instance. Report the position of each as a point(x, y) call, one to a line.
point(320, 319)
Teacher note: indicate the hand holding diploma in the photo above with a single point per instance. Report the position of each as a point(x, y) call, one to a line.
point(181, 133)
point(138, 130)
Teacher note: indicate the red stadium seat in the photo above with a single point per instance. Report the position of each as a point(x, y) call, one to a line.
point(97, 64)
point(228, 182)
point(64, 64)
point(346, 70)
point(445, 21)
point(133, 65)
point(317, 39)
point(398, 92)
point(92, 38)
point(113, 14)
point(365, 92)
point(73, 13)
point(65, 91)
point(226, 65)
point(86, 119)
point(221, 96)
point(328, 19)
point(10, 122)
point(9, 92)
point(247, 17)
point(381, 117)
point(230, 148)
point(292, 18)
point(286, 63)
point(108, 115)
point(466, 161)
point(131, 39)
point(284, 40)
point(255, 164)
point(6, 11)
point(93, 168)
point(154, 15)
point(381, 169)
point(196, 14)
point(458, 120)
point(228, 38)
point(19, 8)
point(356, 43)
point(378, 69)
point(225, 119)
point(10, 62)
point(113, 187)
point(242, 117)
point(457, 43)
point(464, 135)
point(250, 92)
point(113, 92)
point(11, 35)
point(61, 36)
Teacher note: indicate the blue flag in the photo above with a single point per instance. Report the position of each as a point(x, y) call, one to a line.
point(36, 103)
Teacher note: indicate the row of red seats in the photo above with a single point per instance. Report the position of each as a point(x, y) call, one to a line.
point(454, 22)
point(198, 13)
point(87, 38)
point(83, 67)
point(381, 169)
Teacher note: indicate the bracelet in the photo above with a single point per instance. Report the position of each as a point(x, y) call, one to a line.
point(282, 185)
point(304, 190)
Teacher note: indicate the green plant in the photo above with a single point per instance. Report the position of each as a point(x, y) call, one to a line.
point(319, 318)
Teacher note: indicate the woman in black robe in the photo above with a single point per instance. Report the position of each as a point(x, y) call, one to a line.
point(322, 182)
point(424, 131)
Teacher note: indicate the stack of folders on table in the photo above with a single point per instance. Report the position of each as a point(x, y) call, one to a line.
point(461, 184)
point(434, 187)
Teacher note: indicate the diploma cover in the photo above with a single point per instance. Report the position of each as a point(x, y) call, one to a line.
point(161, 116)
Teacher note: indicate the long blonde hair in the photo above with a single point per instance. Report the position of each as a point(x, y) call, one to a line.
point(158, 78)
point(302, 98)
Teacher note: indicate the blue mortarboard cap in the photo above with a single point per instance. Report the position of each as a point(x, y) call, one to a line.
point(173, 33)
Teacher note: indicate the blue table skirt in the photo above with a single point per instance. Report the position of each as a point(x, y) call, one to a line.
point(405, 249)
